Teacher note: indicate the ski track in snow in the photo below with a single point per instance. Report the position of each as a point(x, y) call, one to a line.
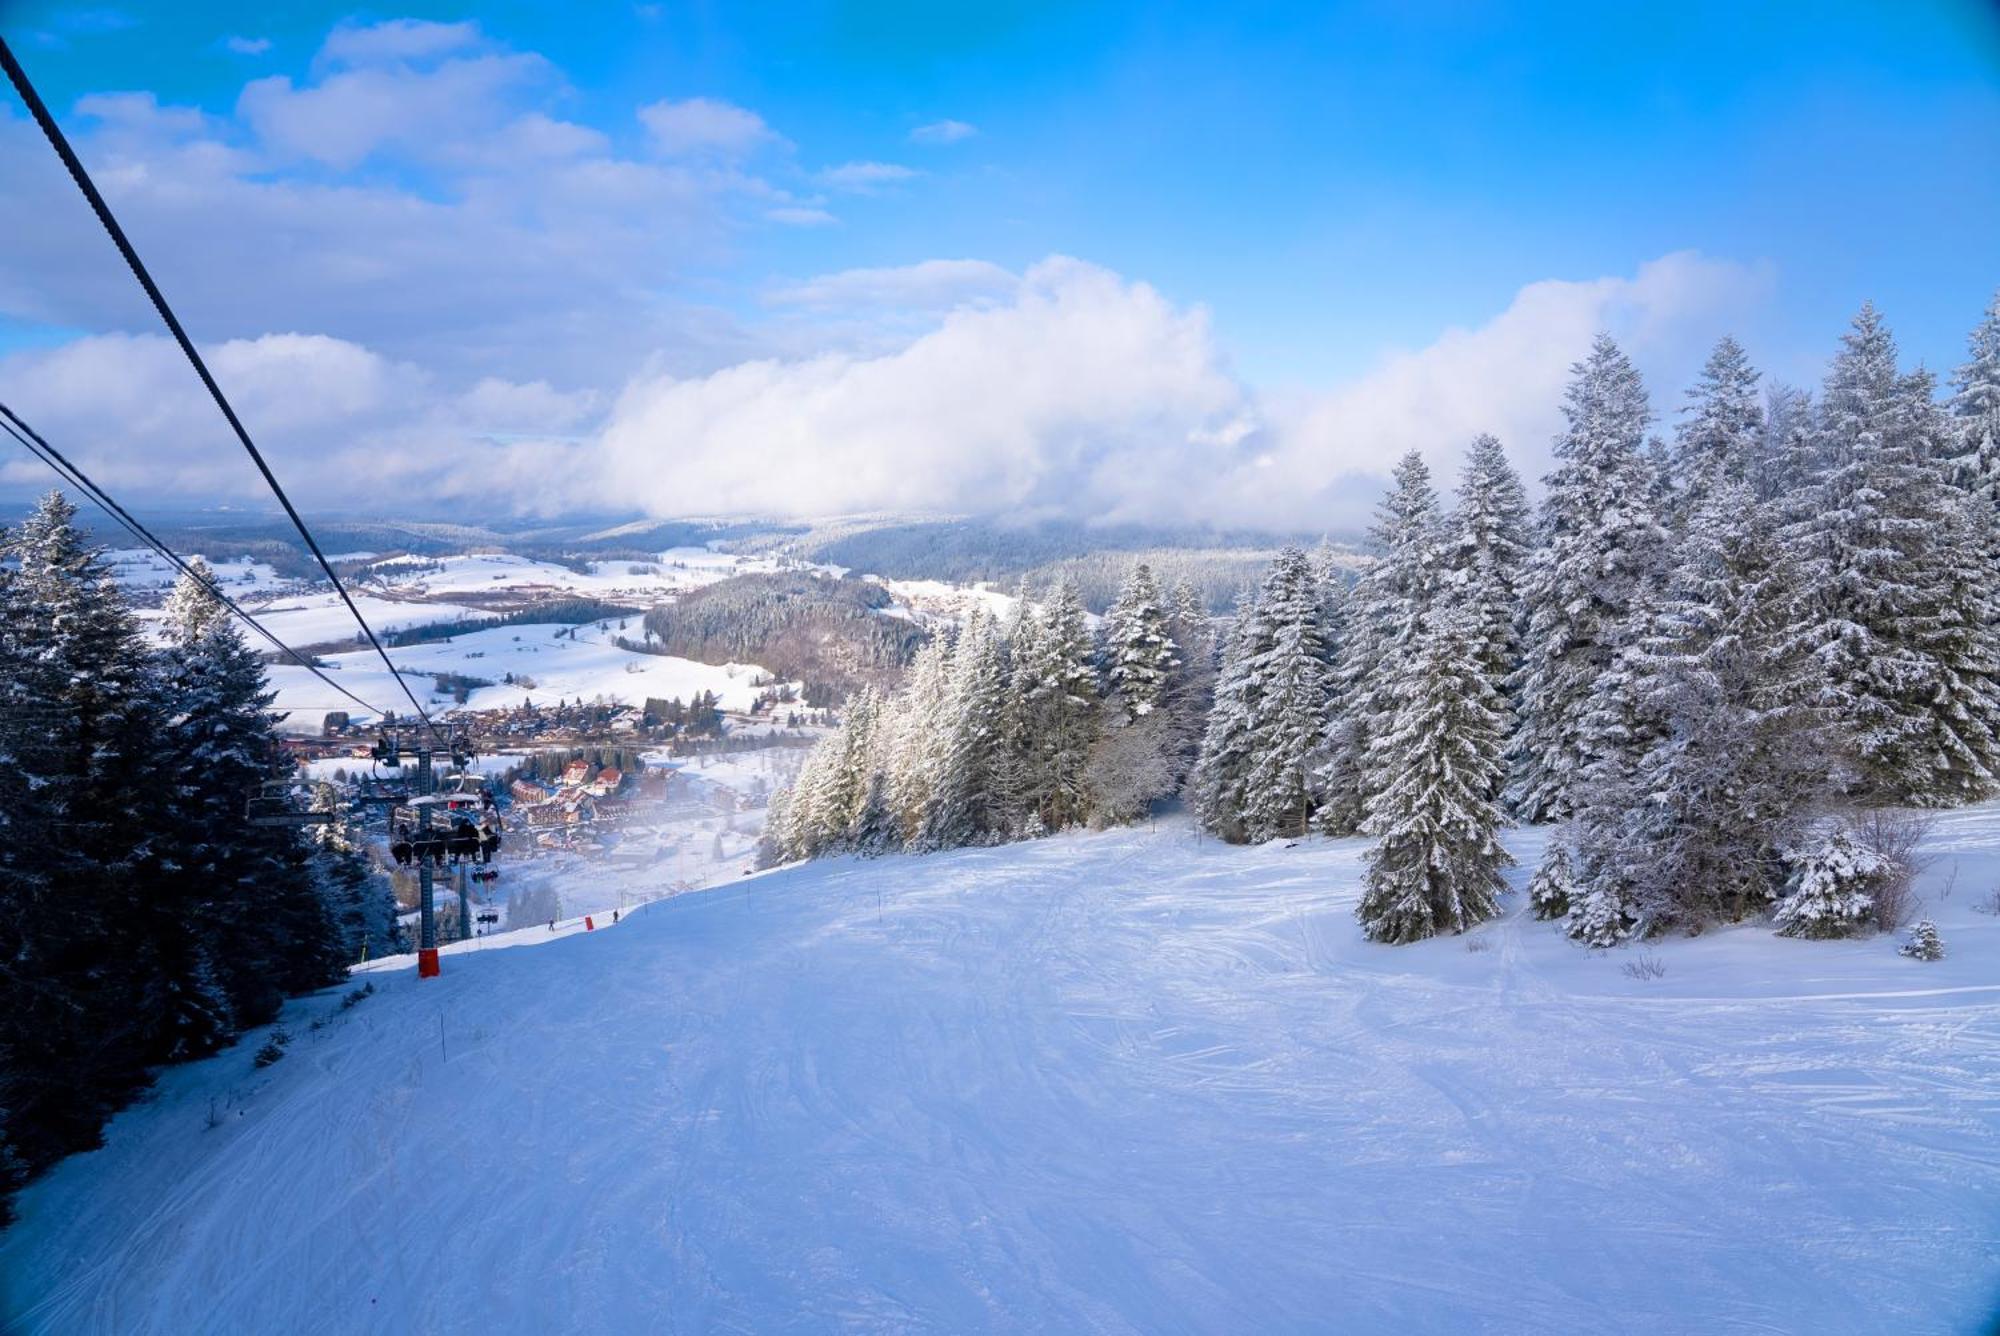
point(1129, 1082)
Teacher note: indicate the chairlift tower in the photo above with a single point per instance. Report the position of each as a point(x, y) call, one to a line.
point(388, 752)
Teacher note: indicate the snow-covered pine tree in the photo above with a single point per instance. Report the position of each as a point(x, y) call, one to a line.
point(1785, 456)
point(1893, 605)
point(1020, 634)
point(190, 607)
point(1437, 865)
point(1190, 686)
point(1717, 439)
point(1832, 889)
point(1553, 887)
point(919, 735)
point(1728, 774)
point(1279, 797)
point(1383, 611)
point(962, 809)
point(1924, 943)
point(1487, 554)
point(1329, 567)
point(1220, 780)
point(1139, 650)
point(855, 764)
point(82, 736)
point(1975, 409)
point(244, 891)
point(1597, 541)
point(1062, 709)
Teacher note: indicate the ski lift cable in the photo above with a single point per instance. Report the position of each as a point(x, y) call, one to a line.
point(60, 143)
point(39, 447)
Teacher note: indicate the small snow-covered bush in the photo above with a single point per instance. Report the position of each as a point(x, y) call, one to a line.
point(1924, 943)
point(274, 1048)
point(1554, 883)
point(1833, 888)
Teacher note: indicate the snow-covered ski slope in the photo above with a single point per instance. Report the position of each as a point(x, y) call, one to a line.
point(1129, 1082)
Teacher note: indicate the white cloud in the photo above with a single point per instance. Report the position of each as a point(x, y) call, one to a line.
point(397, 40)
point(342, 425)
point(1074, 391)
point(798, 215)
point(863, 177)
point(942, 132)
point(928, 285)
point(704, 125)
point(247, 46)
point(1085, 394)
point(432, 114)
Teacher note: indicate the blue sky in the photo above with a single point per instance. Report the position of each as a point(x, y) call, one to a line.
point(1340, 204)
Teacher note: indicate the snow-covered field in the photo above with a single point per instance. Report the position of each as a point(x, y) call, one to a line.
point(1122, 1082)
point(587, 666)
point(484, 573)
point(143, 568)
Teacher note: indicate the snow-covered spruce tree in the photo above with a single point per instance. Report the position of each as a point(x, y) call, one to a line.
point(1437, 863)
point(251, 893)
point(962, 808)
point(1832, 890)
point(1293, 683)
point(1975, 409)
point(1382, 615)
point(1737, 771)
point(1552, 889)
point(1190, 686)
point(1717, 439)
point(1623, 718)
point(1013, 758)
point(191, 607)
point(919, 735)
point(1893, 604)
point(1137, 757)
point(1924, 943)
point(1785, 457)
point(1221, 776)
point(1702, 774)
point(1487, 552)
point(1139, 650)
point(1062, 708)
point(1597, 539)
point(81, 987)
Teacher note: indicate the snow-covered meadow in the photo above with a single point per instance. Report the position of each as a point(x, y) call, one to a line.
point(1135, 1081)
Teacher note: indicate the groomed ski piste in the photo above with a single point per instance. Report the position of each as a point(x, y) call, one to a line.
point(1124, 1082)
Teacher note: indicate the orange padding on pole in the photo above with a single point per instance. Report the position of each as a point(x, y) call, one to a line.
point(588, 926)
point(427, 964)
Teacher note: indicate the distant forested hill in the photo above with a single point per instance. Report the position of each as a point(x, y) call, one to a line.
point(798, 625)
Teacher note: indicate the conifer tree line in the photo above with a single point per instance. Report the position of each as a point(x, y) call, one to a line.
point(1010, 728)
point(1712, 636)
point(143, 919)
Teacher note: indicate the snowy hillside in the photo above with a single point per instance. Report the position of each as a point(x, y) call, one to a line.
point(1123, 1082)
point(562, 666)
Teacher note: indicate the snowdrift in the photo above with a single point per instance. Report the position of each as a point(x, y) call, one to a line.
point(1125, 1082)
